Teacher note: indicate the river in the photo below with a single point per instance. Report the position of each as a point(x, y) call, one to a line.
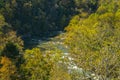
point(49, 41)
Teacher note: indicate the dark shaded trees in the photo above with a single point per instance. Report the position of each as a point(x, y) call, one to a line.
point(11, 60)
point(43, 16)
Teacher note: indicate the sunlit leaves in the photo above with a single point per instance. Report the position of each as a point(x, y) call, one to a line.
point(39, 65)
point(94, 42)
point(8, 69)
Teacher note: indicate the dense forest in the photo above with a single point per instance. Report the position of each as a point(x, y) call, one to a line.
point(82, 39)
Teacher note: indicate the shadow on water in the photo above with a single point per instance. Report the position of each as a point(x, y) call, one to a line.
point(42, 27)
point(33, 41)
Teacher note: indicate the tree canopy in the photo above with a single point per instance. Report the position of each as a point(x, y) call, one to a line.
point(88, 49)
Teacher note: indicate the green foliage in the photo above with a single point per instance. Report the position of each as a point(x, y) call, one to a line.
point(10, 50)
point(35, 18)
point(92, 39)
point(37, 65)
point(108, 6)
point(86, 5)
point(94, 43)
point(48, 65)
point(11, 60)
point(60, 72)
point(2, 23)
point(1, 3)
point(10, 37)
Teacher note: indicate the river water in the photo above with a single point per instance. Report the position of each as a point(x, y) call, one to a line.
point(48, 41)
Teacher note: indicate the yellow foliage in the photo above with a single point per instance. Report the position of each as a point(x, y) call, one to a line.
point(7, 70)
point(94, 42)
